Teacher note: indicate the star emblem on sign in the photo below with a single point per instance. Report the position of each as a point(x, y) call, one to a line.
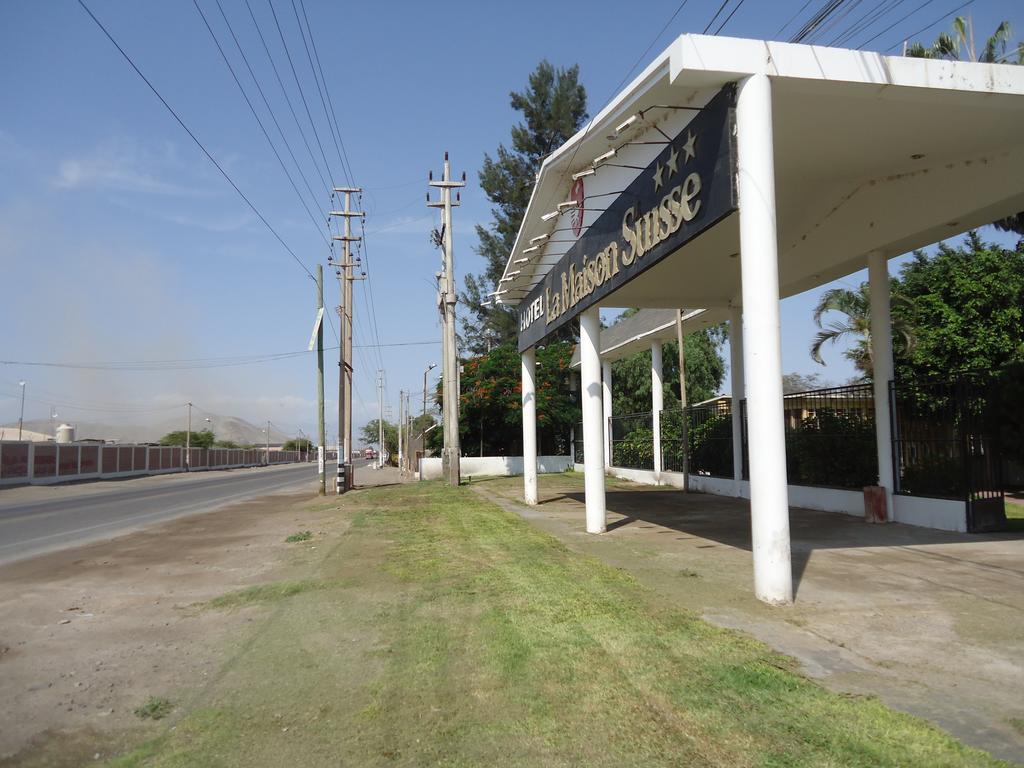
point(658, 181)
point(688, 147)
point(673, 161)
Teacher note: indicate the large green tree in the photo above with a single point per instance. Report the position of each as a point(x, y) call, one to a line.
point(966, 305)
point(198, 439)
point(958, 45)
point(490, 412)
point(553, 106)
point(705, 371)
point(298, 444)
point(370, 434)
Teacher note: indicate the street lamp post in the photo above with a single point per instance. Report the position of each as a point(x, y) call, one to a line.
point(430, 367)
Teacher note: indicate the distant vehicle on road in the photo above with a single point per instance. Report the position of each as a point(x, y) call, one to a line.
point(369, 453)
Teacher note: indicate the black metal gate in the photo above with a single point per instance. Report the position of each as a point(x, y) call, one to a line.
point(946, 445)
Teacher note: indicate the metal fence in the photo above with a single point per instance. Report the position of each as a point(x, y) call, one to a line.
point(632, 441)
point(26, 462)
point(830, 437)
point(946, 445)
point(577, 444)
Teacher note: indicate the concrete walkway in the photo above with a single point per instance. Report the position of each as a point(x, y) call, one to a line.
point(931, 622)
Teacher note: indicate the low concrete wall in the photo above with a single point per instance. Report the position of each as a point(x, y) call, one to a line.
point(943, 514)
point(494, 466)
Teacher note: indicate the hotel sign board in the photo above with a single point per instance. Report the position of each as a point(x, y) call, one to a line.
point(688, 188)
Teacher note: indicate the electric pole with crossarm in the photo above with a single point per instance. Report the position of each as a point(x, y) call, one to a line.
point(448, 295)
point(345, 480)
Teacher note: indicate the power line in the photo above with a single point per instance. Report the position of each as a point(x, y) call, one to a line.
point(287, 98)
point(923, 5)
point(879, 11)
point(792, 18)
point(333, 128)
point(929, 26)
point(713, 18)
point(200, 362)
point(198, 143)
point(727, 18)
point(259, 122)
point(291, 64)
point(270, 110)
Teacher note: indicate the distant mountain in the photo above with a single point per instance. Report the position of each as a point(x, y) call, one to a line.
point(224, 427)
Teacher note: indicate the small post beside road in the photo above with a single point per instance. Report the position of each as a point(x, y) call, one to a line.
point(188, 440)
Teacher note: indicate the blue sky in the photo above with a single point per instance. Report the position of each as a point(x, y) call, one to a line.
point(120, 241)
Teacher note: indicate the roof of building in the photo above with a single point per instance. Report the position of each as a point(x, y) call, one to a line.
point(637, 332)
point(871, 153)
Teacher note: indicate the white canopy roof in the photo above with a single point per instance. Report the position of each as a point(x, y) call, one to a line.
point(871, 153)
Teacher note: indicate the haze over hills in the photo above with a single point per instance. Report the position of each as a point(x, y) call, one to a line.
point(224, 427)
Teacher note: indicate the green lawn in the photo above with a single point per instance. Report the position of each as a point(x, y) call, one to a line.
point(1015, 517)
point(443, 631)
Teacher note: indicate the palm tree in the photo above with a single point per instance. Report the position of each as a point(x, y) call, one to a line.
point(856, 306)
point(958, 45)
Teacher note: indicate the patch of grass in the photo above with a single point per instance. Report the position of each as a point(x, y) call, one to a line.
point(299, 536)
point(1014, 516)
point(1017, 723)
point(155, 708)
point(263, 593)
point(445, 631)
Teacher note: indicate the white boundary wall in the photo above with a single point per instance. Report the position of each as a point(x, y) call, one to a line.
point(494, 466)
point(943, 514)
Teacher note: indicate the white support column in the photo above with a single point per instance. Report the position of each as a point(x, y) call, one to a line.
point(657, 403)
point(882, 369)
point(736, 375)
point(593, 433)
point(530, 426)
point(606, 395)
point(762, 346)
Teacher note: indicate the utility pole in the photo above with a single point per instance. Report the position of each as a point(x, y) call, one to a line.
point(268, 443)
point(345, 480)
point(450, 369)
point(21, 419)
point(188, 440)
point(380, 418)
point(401, 428)
point(321, 454)
point(408, 431)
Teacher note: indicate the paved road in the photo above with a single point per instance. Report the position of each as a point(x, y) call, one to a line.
point(38, 519)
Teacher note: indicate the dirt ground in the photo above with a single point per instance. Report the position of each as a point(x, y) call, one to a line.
point(932, 622)
point(88, 634)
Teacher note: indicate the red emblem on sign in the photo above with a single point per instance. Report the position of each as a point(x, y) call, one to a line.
point(577, 213)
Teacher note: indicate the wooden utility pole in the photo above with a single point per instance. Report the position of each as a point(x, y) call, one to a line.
point(321, 454)
point(450, 369)
point(345, 479)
